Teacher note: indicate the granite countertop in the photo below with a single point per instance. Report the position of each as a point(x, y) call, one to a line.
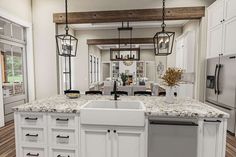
point(155, 106)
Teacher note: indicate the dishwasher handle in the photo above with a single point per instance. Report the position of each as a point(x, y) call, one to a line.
point(178, 123)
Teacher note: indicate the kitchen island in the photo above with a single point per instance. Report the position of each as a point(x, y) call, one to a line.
point(53, 127)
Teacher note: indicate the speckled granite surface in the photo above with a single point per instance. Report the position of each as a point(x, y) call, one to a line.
point(155, 106)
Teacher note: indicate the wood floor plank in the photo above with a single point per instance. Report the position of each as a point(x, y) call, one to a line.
point(7, 142)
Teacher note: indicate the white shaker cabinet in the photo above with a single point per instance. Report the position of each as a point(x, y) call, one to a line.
point(96, 141)
point(221, 28)
point(129, 143)
point(185, 52)
point(109, 141)
point(215, 14)
point(229, 30)
point(215, 40)
point(213, 138)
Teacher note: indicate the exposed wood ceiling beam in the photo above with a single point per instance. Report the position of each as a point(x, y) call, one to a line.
point(122, 41)
point(183, 13)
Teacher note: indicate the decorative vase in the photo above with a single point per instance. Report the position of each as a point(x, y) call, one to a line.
point(170, 97)
point(123, 83)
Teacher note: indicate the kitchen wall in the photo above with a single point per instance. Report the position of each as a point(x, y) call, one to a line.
point(19, 8)
point(198, 26)
point(44, 36)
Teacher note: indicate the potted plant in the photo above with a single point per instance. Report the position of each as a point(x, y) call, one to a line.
point(171, 78)
point(124, 78)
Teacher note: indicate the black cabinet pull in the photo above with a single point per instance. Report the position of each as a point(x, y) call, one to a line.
point(109, 131)
point(64, 120)
point(63, 156)
point(212, 121)
point(114, 131)
point(59, 136)
point(29, 154)
point(28, 118)
point(156, 122)
point(31, 135)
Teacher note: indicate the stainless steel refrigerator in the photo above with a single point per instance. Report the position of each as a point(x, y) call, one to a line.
point(221, 86)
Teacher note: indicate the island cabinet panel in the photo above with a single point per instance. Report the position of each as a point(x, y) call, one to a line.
point(110, 141)
point(46, 134)
point(128, 143)
point(212, 139)
point(96, 142)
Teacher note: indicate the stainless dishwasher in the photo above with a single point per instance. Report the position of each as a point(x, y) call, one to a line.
point(172, 138)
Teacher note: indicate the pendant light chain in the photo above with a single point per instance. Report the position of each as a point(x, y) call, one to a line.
point(66, 28)
point(163, 17)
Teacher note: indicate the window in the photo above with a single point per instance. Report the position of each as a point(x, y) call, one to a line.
point(94, 69)
point(11, 31)
point(12, 65)
point(90, 69)
point(98, 70)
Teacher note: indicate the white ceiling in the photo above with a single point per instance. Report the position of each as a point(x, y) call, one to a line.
point(98, 26)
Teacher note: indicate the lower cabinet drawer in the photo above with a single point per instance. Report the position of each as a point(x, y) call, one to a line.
point(32, 119)
point(63, 138)
point(32, 136)
point(33, 152)
point(62, 153)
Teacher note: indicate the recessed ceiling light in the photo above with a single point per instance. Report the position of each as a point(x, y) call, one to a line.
point(1, 28)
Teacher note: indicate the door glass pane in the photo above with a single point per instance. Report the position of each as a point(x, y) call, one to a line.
point(18, 72)
point(7, 72)
point(5, 28)
point(17, 32)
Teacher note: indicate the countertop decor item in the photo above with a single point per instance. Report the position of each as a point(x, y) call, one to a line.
point(171, 79)
point(163, 41)
point(124, 78)
point(72, 94)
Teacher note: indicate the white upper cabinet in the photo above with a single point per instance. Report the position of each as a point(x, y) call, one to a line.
point(185, 52)
point(214, 46)
point(215, 14)
point(230, 9)
point(221, 28)
point(229, 30)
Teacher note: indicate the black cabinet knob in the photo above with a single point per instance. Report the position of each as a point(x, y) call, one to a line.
point(114, 131)
point(109, 131)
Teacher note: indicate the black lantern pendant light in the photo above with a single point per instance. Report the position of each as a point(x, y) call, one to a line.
point(66, 43)
point(163, 41)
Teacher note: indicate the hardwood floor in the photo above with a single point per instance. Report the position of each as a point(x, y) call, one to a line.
point(7, 142)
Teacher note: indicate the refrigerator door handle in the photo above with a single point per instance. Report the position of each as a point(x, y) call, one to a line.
point(218, 76)
point(215, 86)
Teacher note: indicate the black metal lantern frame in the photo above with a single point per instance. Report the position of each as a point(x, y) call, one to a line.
point(163, 41)
point(134, 53)
point(66, 43)
point(67, 47)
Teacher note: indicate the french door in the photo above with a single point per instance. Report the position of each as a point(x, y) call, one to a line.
point(13, 76)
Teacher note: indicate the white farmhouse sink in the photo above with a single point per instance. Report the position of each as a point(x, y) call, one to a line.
point(122, 113)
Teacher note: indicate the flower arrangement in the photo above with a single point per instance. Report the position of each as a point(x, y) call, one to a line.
point(172, 77)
